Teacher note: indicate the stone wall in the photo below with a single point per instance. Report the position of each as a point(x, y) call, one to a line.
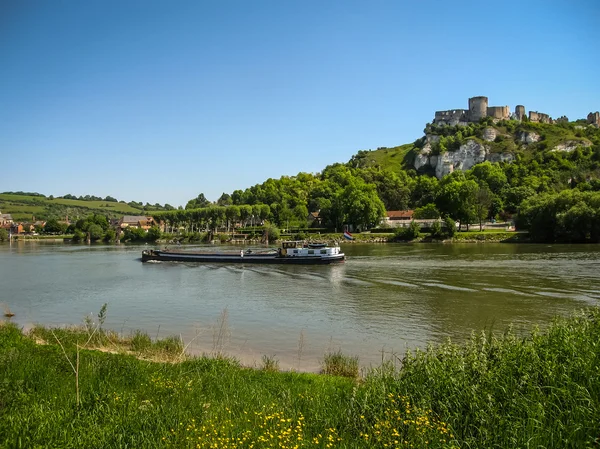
point(593, 118)
point(562, 119)
point(451, 117)
point(540, 117)
point(499, 112)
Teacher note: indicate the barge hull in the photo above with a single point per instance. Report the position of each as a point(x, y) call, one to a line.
point(267, 259)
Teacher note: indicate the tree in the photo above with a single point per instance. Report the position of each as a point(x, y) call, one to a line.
point(457, 200)
point(427, 212)
point(224, 200)
point(489, 174)
point(361, 205)
point(424, 190)
point(198, 202)
point(436, 229)
point(232, 213)
point(483, 201)
point(110, 235)
point(449, 226)
point(54, 227)
point(245, 213)
point(153, 234)
point(3, 235)
point(95, 232)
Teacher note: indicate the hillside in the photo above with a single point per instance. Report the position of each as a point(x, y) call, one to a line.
point(494, 141)
point(40, 207)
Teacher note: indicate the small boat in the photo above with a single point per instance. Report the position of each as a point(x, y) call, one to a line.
point(290, 252)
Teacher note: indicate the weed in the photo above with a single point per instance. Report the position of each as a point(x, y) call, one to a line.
point(338, 364)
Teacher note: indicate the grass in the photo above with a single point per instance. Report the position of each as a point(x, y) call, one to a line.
point(338, 364)
point(500, 391)
point(390, 158)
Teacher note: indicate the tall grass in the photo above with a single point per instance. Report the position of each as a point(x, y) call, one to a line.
point(494, 391)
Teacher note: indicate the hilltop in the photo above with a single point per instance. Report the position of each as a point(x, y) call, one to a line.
point(448, 147)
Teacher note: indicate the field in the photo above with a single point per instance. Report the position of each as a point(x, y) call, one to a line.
point(493, 391)
point(25, 207)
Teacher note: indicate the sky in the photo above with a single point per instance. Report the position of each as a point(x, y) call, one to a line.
point(157, 101)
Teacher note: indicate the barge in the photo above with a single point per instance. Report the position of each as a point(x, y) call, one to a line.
point(291, 252)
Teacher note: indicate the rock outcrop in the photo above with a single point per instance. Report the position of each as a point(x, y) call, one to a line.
point(571, 145)
point(469, 154)
point(529, 137)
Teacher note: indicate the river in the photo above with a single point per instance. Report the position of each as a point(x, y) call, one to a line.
point(385, 299)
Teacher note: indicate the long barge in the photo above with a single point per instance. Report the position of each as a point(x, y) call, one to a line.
point(291, 252)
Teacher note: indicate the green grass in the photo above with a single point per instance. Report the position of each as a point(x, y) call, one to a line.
point(120, 208)
point(391, 158)
point(542, 390)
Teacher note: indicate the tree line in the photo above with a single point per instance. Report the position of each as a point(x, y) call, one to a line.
point(343, 194)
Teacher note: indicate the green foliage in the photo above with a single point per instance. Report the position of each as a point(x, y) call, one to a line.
point(131, 234)
point(410, 232)
point(54, 227)
point(449, 227)
point(272, 233)
point(436, 230)
point(153, 234)
point(569, 216)
point(110, 235)
point(427, 211)
point(3, 235)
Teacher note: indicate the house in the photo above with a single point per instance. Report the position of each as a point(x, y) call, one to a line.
point(397, 218)
point(6, 219)
point(403, 218)
point(136, 221)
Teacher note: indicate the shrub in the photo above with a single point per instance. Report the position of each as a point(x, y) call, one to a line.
point(409, 233)
point(272, 233)
point(449, 227)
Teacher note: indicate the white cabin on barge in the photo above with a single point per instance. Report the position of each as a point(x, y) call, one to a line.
point(300, 249)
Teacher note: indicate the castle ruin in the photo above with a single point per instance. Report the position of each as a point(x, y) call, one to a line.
point(593, 118)
point(478, 109)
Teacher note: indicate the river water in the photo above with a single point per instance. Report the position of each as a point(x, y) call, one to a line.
point(385, 299)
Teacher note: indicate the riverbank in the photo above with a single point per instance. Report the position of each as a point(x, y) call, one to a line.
point(493, 391)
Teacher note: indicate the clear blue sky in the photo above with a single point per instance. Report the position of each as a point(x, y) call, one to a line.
point(157, 101)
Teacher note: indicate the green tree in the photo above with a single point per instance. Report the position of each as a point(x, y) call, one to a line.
point(491, 175)
point(436, 229)
point(428, 211)
point(224, 200)
point(457, 199)
point(95, 232)
point(110, 235)
point(153, 234)
point(3, 235)
point(483, 202)
point(361, 205)
point(449, 227)
point(54, 227)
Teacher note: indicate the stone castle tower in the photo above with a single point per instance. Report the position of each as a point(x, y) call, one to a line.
point(477, 108)
point(519, 112)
